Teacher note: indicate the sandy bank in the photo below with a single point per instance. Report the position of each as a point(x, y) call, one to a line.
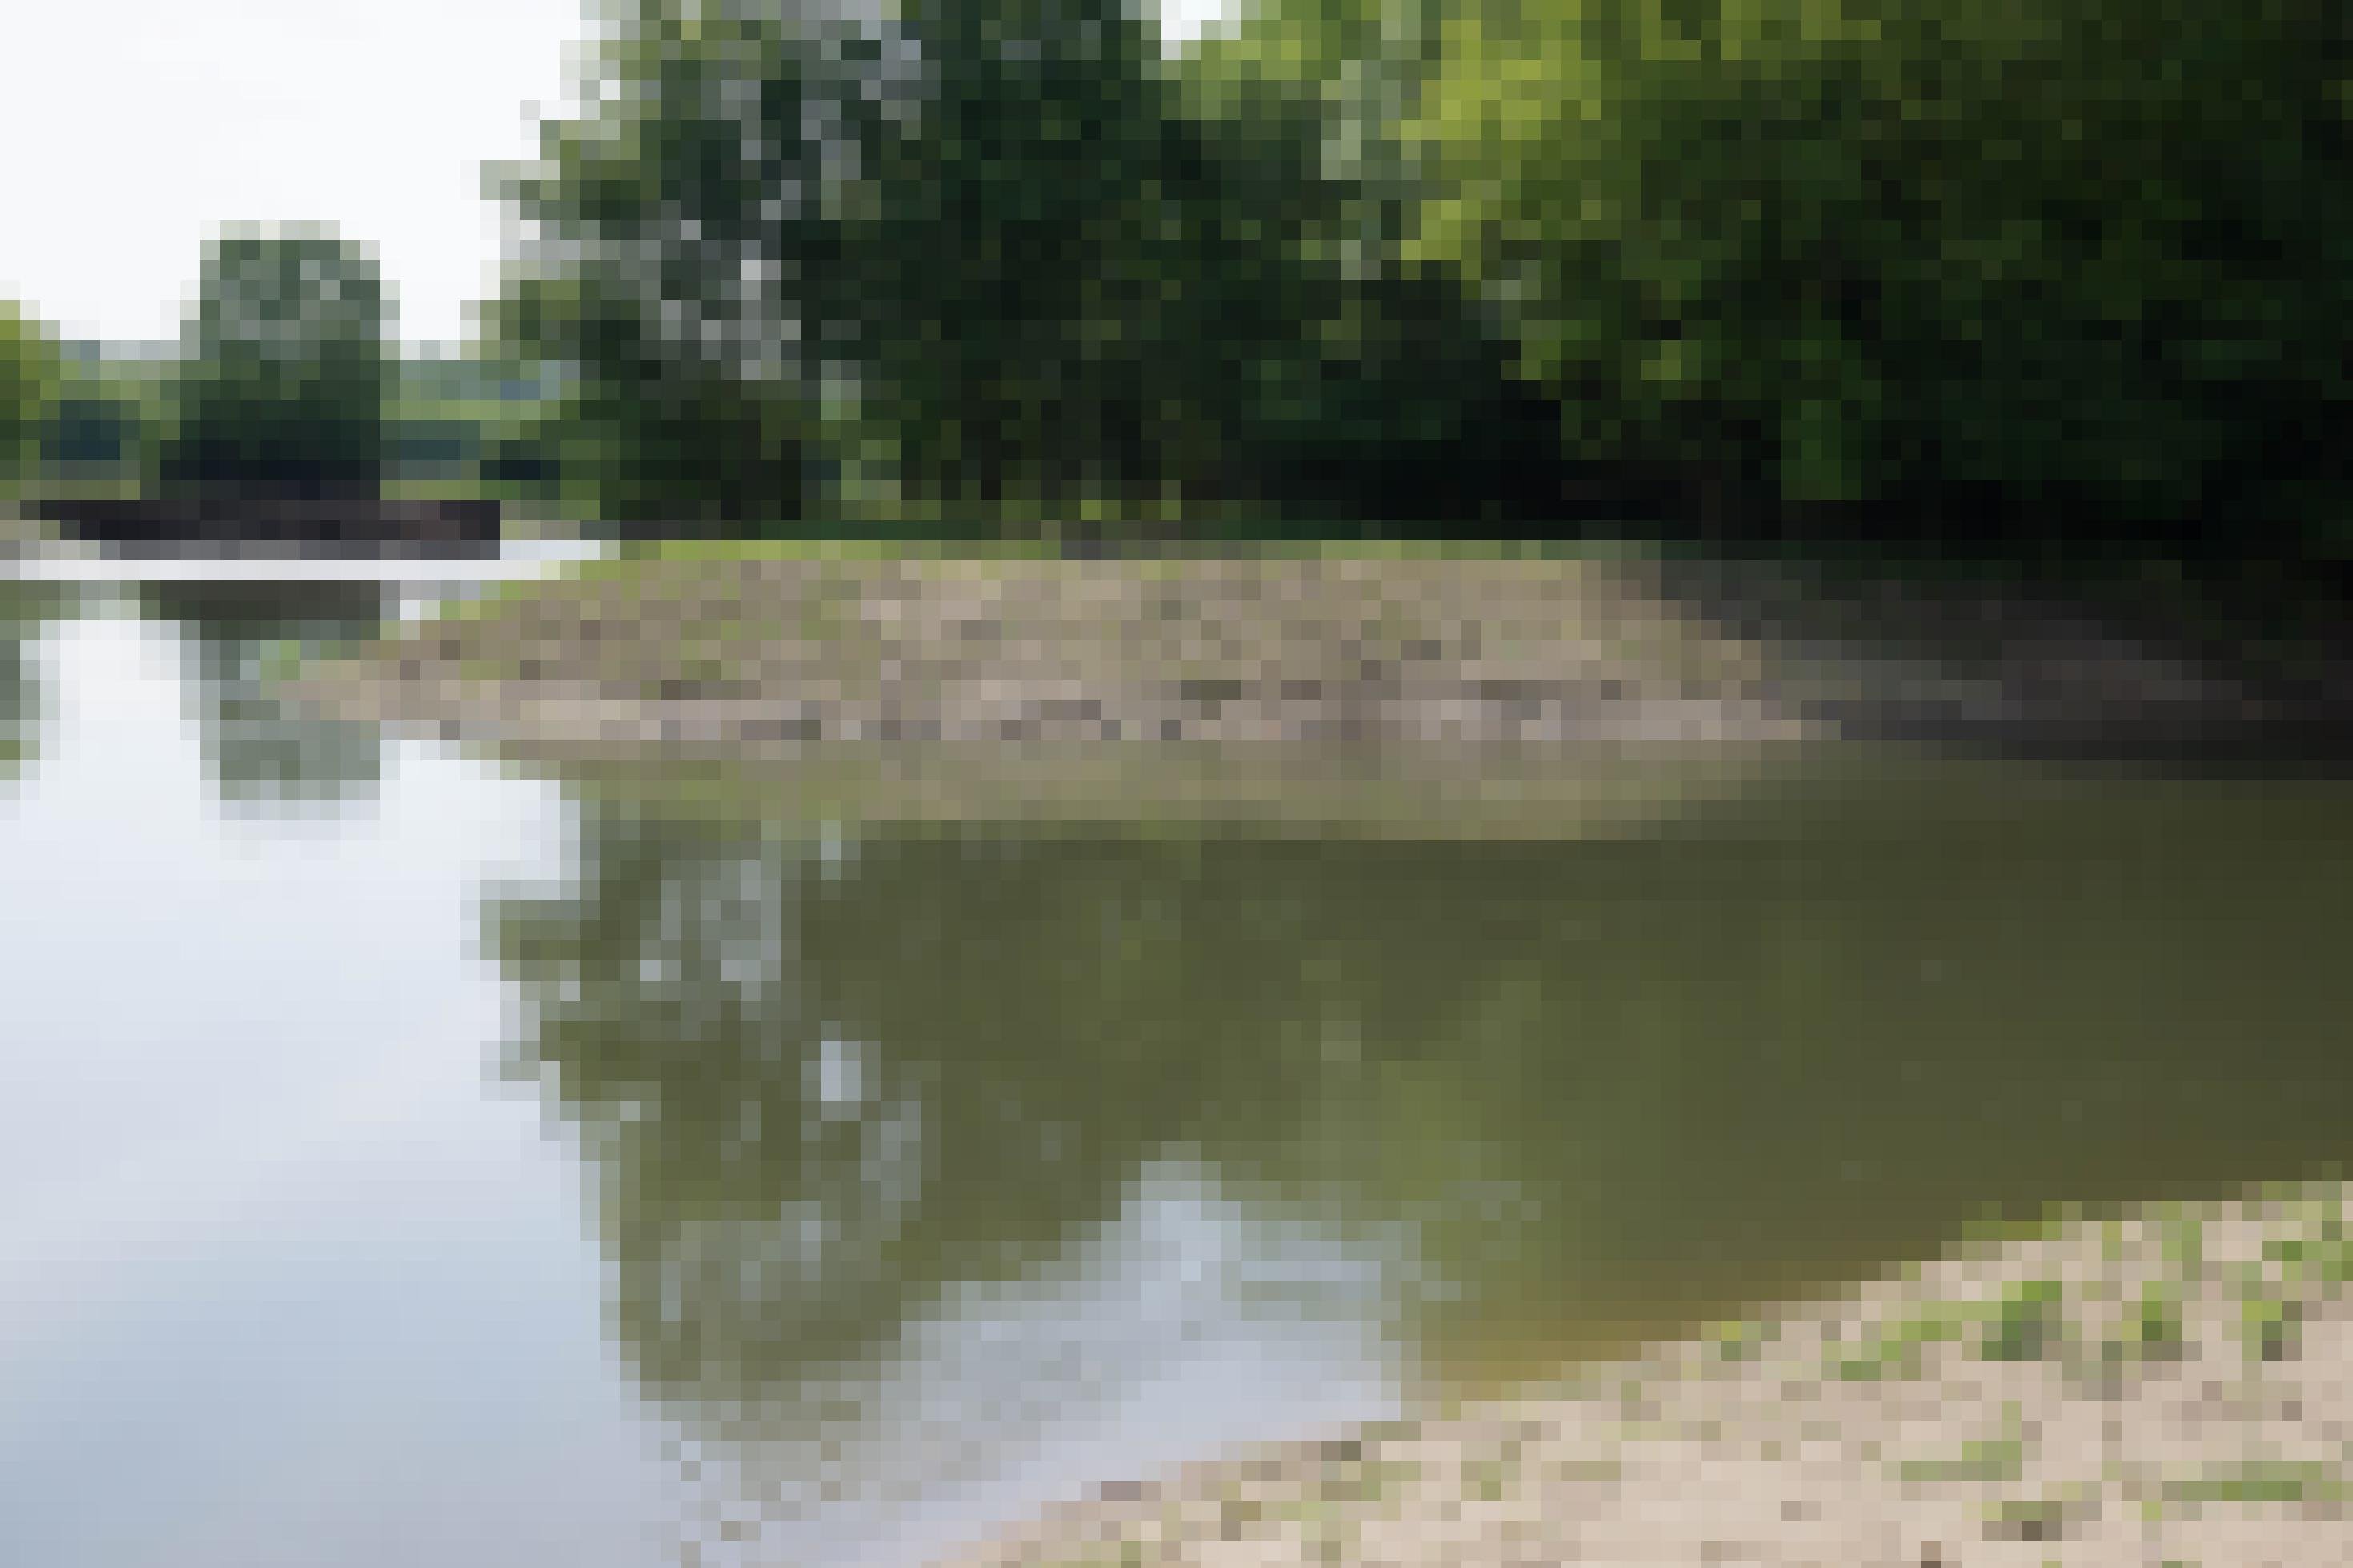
point(764, 653)
point(1405, 657)
point(2166, 1386)
point(1472, 694)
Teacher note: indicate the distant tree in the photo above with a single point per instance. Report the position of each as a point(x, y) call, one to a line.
point(286, 373)
point(92, 428)
point(29, 374)
point(107, 418)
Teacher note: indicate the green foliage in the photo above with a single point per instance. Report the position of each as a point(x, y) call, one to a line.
point(941, 248)
point(2269, 1322)
point(103, 427)
point(1374, 386)
point(2054, 258)
point(1897, 1349)
point(30, 371)
point(985, 258)
point(2026, 1324)
point(1981, 1459)
point(93, 428)
point(2152, 1332)
point(686, 280)
point(1032, 153)
point(2263, 1481)
point(285, 373)
point(2031, 276)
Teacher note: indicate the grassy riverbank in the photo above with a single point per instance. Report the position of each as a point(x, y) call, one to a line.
point(2157, 1385)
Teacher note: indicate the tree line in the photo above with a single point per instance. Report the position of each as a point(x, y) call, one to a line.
point(2066, 277)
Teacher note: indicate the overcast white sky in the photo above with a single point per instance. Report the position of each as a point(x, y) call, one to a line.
point(134, 127)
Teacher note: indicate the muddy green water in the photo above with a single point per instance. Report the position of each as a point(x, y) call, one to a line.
point(408, 1159)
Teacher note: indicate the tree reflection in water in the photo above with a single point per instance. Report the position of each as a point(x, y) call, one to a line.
point(264, 753)
point(27, 610)
point(849, 1111)
point(846, 1111)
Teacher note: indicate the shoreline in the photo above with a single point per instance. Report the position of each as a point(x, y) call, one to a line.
point(2157, 1385)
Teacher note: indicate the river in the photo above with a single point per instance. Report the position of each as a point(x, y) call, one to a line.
point(407, 1157)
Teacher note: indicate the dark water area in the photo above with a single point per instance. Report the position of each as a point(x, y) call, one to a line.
point(407, 1158)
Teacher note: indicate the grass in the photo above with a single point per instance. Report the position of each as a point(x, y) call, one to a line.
point(2028, 1320)
point(1738, 1341)
point(2262, 1481)
point(2268, 1324)
point(2038, 1517)
point(2155, 1331)
point(1896, 1350)
point(1979, 1459)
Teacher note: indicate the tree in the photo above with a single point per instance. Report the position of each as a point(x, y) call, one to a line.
point(682, 265)
point(1036, 160)
point(986, 252)
point(2046, 272)
point(934, 244)
point(30, 369)
point(285, 374)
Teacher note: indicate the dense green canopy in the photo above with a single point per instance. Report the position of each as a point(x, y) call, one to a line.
point(982, 256)
point(2058, 274)
point(2082, 262)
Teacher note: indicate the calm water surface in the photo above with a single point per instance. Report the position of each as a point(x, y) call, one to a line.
point(406, 1159)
